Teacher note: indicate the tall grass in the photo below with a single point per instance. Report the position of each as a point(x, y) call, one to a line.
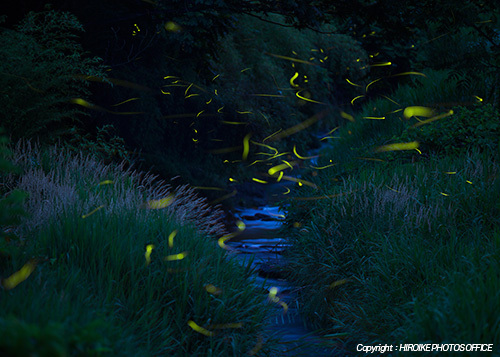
point(394, 249)
point(95, 291)
point(83, 181)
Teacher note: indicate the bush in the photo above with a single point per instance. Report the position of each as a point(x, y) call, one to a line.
point(467, 128)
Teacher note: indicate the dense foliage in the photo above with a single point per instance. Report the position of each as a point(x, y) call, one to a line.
point(41, 70)
point(466, 129)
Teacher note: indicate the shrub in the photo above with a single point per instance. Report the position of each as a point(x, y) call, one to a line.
point(104, 146)
point(477, 127)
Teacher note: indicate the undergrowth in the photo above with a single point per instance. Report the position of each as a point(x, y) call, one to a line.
point(100, 270)
point(402, 246)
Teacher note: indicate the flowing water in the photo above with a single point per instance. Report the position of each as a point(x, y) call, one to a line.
point(261, 243)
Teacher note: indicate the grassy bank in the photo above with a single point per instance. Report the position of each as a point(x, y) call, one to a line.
point(403, 247)
point(103, 273)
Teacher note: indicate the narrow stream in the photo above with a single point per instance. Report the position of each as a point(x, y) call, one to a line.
point(261, 242)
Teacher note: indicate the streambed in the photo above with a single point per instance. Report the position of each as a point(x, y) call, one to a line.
point(261, 242)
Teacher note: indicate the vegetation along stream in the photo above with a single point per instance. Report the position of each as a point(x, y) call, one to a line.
point(132, 132)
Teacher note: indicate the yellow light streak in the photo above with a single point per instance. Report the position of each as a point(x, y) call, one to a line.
point(270, 136)
point(267, 147)
point(433, 119)
point(302, 157)
point(106, 182)
point(257, 347)
point(212, 289)
point(346, 116)
point(246, 146)
point(258, 180)
point(147, 255)
point(171, 237)
point(338, 283)
point(369, 84)
point(200, 329)
point(301, 126)
point(92, 212)
point(19, 276)
point(225, 197)
point(161, 203)
point(126, 101)
point(398, 147)
point(353, 99)
point(323, 167)
point(418, 111)
point(291, 59)
point(329, 137)
point(277, 168)
point(272, 294)
point(293, 78)
point(356, 85)
point(234, 122)
point(221, 241)
point(306, 99)
point(187, 89)
point(381, 64)
point(391, 100)
point(169, 26)
point(331, 131)
point(299, 181)
point(241, 226)
point(179, 256)
point(408, 73)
